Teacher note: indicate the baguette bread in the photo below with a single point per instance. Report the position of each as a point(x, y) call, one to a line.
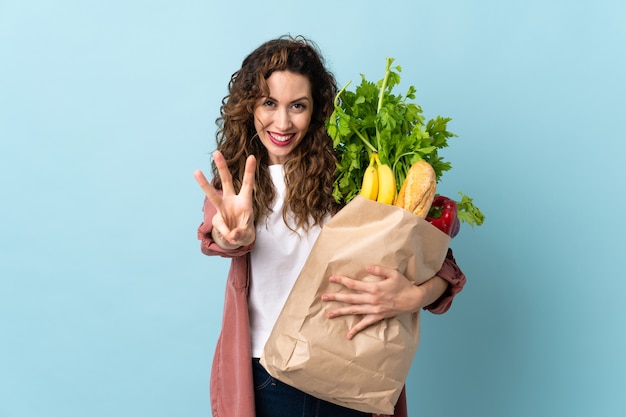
point(418, 189)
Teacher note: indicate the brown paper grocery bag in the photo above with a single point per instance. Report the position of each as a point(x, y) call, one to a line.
point(310, 352)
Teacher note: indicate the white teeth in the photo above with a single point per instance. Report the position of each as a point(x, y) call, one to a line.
point(281, 138)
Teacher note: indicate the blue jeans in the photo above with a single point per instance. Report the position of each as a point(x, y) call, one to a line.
point(276, 399)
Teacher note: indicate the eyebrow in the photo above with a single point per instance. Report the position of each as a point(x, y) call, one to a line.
point(303, 98)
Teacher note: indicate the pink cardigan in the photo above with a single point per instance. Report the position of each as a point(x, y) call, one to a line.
point(232, 389)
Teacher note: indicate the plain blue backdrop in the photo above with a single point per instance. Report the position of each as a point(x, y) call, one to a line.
point(107, 306)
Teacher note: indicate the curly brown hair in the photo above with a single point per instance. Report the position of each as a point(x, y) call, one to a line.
point(309, 173)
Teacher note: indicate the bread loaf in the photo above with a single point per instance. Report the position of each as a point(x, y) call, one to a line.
point(418, 189)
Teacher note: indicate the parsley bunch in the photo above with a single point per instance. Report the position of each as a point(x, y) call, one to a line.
point(374, 119)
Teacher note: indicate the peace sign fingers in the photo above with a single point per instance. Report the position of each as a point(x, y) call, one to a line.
point(247, 183)
point(225, 176)
point(234, 217)
point(210, 191)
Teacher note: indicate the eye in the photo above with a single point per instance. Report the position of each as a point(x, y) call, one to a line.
point(268, 103)
point(299, 106)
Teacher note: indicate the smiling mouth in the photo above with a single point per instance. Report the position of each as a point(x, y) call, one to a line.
point(281, 139)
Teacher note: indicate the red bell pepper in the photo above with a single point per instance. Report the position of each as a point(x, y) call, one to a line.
point(443, 214)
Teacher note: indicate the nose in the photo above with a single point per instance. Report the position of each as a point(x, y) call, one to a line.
point(283, 119)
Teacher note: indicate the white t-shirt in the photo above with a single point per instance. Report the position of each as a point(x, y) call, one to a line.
point(276, 261)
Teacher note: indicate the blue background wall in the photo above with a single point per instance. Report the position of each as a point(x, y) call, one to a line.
point(107, 307)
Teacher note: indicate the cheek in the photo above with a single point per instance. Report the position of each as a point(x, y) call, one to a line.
point(305, 122)
point(259, 121)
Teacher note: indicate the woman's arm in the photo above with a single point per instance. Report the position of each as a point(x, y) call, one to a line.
point(455, 278)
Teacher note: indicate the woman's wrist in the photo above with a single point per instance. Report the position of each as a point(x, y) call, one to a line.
point(431, 290)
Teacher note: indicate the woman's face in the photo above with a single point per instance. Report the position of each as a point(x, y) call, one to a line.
point(282, 119)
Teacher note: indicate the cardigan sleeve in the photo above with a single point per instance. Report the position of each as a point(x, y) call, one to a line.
point(208, 245)
point(452, 274)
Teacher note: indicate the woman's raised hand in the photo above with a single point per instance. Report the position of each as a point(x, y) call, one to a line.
point(233, 224)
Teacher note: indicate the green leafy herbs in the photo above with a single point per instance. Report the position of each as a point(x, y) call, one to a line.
point(374, 119)
point(468, 212)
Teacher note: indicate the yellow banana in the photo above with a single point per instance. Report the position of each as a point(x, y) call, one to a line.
point(369, 187)
point(386, 183)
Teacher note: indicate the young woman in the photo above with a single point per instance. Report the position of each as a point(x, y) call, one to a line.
point(271, 193)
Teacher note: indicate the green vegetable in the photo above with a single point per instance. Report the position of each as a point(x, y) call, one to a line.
point(374, 119)
point(468, 212)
